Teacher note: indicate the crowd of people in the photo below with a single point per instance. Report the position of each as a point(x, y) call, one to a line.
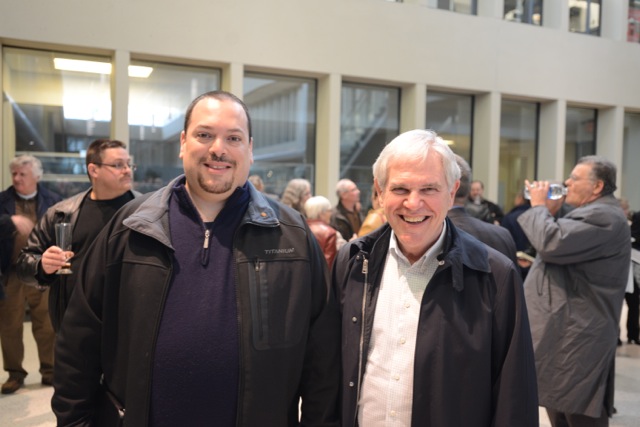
point(210, 299)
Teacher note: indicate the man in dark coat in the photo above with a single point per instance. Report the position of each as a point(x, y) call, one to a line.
point(490, 234)
point(434, 324)
point(26, 200)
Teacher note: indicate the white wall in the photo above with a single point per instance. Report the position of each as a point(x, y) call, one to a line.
point(405, 44)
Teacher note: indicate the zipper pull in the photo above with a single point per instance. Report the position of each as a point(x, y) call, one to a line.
point(365, 266)
point(206, 239)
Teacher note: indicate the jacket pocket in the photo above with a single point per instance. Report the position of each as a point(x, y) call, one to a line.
point(280, 303)
point(109, 411)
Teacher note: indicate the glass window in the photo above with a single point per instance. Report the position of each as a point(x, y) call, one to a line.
point(451, 115)
point(518, 148)
point(283, 116)
point(157, 104)
point(526, 11)
point(633, 31)
point(580, 136)
point(470, 7)
point(56, 103)
point(370, 118)
point(584, 16)
point(631, 153)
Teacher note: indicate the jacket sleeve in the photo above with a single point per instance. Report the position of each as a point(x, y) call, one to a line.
point(320, 380)
point(578, 237)
point(515, 391)
point(78, 343)
point(28, 265)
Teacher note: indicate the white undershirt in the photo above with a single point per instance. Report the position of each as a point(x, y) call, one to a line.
point(387, 388)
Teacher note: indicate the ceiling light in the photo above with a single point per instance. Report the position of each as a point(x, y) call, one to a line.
point(84, 66)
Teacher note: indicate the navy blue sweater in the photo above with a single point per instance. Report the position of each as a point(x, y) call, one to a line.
point(195, 371)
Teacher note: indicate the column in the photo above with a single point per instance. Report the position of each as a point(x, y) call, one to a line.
point(486, 142)
point(553, 121)
point(328, 136)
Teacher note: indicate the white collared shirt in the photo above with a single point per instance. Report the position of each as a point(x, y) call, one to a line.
point(387, 389)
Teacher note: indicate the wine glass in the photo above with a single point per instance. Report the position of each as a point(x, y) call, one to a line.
point(63, 241)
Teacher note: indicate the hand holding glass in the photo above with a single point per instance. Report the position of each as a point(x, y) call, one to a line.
point(63, 241)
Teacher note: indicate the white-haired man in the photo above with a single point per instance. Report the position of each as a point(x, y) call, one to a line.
point(346, 217)
point(26, 200)
point(434, 324)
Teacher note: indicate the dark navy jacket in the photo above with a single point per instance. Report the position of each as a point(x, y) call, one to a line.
point(474, 361)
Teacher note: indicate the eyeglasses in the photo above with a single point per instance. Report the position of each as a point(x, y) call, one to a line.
point(118, 166)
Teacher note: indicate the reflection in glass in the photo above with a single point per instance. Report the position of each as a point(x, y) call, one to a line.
point(518, 147)
point(157, 104)
point(633, 30)
point(451, 115)
point(525, 11)
point(283, 116)
point(580, 136)
point(584, 16)
point(631, 154)
point(55, 114)
point(470, 7)
point(370, 117)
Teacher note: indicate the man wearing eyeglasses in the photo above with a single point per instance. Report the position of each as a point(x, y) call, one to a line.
point(110, 172)
point(574, 292)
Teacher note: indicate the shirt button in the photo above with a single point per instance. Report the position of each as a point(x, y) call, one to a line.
point(393, 413)
point(354, 319)
point(263, 214)
point(396, 377)
point(351, 384)
point(403, 340)
point(407, 305)
point(440, 262)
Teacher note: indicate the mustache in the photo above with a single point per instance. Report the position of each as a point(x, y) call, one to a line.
point(215, 158)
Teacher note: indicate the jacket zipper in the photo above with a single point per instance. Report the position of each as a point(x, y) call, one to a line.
point(205, 247)
point(365, 271)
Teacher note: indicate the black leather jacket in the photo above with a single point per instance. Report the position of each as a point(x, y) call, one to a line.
point(289, 348)
point(42, 237)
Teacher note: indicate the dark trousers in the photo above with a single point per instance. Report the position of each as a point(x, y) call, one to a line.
point(633, 315)
point(561, 419)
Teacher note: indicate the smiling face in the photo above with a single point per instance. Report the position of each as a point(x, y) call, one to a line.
point(216, 149)
point(416, 200)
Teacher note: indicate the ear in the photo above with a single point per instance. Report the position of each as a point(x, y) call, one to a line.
point(379, 190)
point(454, 190)
point(599, 186)
point(92, 170)
point(183, 140)
point(251, 150)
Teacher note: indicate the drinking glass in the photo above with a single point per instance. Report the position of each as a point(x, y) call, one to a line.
point(63, 241)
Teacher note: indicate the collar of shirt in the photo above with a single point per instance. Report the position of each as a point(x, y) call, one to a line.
point(427, 257)
point(27, 196)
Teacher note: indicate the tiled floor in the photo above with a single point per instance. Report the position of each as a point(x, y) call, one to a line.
point(30, 406)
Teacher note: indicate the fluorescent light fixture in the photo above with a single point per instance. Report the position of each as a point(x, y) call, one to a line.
point(84, 66)
point(449, 141)
point(139, 71)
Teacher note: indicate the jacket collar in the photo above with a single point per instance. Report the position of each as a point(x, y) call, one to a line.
point(151, 217)
point(460, 250)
